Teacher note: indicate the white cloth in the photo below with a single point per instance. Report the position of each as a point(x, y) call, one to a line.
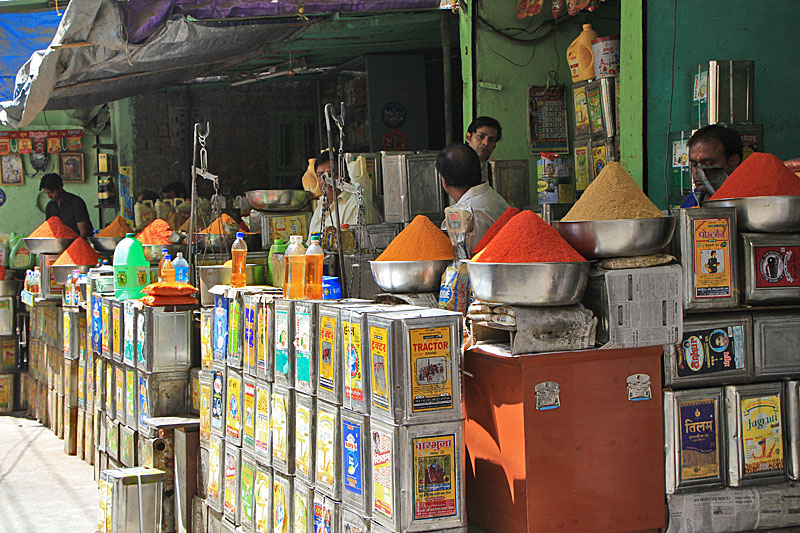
point(487, 206)
point(348, 213)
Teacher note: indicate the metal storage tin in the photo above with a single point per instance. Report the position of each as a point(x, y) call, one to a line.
point(282, 502)
point(357, 464)
point(106, 335)
point(306, 318)
point(166, 339)
point(303, 508)
point(601, 98)
point(8, 354)
point(88, 382)
point(249, 415)
point(724, 91)
point(328, 446)
point(755, 433)
point(205, 405)
point(127, 446)
point(99, 382)
point(129, 495)
point(283, 363)
point(6, 393)
point(218, 402)
point(694, 439)
point(265, 345)
point(716, 349)
point(792, 402)
point(707, 239)
point(161, 394)
point(70, 377)
point(776, 338)
point(112, 438)
point(233, 408)
point(216, 465)
point(353, 522)
point(401, 455)
point(202, 470)
point(220, 329)
point(411, 187)
point(81, 390)
point(206, 337)
point(305, 430)
point(129, 332)
point(263, 433)
point(246, 487)
point(119, 392)
point(327, 513)
point(8, 316)
point(70, 336)
point(194, 391)
point(101, 425)
point(262, 499)
point(116, 326)
point(131, 416)
point(235, 328)
point(249, 333)
point(355, 360)
point(416, 359)
point(232, 482)
point(282, 429)
point(771, 265)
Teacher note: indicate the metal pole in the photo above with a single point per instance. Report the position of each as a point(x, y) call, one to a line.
point(334, 175)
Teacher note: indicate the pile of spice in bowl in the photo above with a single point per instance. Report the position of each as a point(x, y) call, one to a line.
point(156, 233)
point(78, 253)
point(53, 228)
point(761, 174)
point(118, 227)
point(507, 215)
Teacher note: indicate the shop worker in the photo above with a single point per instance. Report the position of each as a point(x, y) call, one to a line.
point(460, 168)
point(348, 202)
point(174, 189)
point(71, 209)
point(482, 135)
point(712, 145)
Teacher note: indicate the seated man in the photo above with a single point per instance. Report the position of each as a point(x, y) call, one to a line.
point(460, 169)
point(348, 202)
point(710, 146)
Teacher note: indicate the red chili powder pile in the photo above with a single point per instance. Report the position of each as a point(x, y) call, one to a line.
point(494, 228)
point(54, 228)
point(421, 240)
point(526, 238)
point(78, 253)
point(157, 232)
point(759, 175)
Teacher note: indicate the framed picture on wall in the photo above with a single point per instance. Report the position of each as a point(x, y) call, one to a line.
point(11, 170)
point(70, 166)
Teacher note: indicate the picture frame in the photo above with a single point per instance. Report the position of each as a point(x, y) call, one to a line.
point(11, 171)
point(70, 166)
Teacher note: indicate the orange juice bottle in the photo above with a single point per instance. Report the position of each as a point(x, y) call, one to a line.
point(295, 257)
point(314, 260)
point(239, 260)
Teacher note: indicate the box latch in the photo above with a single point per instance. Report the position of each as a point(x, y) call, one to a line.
point(639, 387)
point(547, 395)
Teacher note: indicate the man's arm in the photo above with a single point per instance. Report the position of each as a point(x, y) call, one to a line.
point(84, 228)
point(82, 218)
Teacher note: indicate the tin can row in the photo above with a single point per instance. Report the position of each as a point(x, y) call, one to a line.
point(736, 436)
point(46, 324)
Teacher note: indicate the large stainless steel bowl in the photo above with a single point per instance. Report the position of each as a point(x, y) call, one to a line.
point(764, 214)
point(277, 199)
point(152, 252)
point(215, 242)
point(105, 245)
point(530, 284)
point(9, 287)
point(221, 275)
point(402, 277)
point(46, 245)
point(62, 272)
point(598, 239)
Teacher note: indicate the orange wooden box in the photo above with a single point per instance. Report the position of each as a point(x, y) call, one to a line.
point(594, 463)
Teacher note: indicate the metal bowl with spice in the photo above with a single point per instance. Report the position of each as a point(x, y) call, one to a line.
point(402, 277)
point(764, 214)
point(599, 239)
point(529, 284)
point(46, 245)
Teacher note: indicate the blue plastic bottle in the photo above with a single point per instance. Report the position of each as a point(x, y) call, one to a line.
point(181, 268)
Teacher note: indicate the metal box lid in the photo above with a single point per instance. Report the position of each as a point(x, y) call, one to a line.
point(776, 336)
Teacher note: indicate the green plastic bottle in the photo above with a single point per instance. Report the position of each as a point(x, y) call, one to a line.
point(275, 267)
point(131, 269)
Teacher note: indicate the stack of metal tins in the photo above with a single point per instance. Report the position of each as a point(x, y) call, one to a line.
point(8, 354)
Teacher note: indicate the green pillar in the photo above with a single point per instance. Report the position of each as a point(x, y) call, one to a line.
point(631, 103)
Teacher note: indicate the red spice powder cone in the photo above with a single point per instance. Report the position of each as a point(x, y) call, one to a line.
point(526, 238)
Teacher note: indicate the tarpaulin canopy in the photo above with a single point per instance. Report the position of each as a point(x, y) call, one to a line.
point(21, 34)
point(104, 50)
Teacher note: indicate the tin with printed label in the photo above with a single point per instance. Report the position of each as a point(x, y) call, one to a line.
point(771, 264)
point(106, 334)
point(129, 333)
point(119, 392)
point(205, 405)
point(235, 328)
point(218, 401)
point(776, 337)
point(164, 339)
point(265, 344)
point(233, 407)
point(249, 333)
point(131, 416)
point(306, 317)
point(216, 472)
point(714, 350)
point(284, 363)
point(112, 438)
point(220, 331)
point(694, 439)
point(249, 414)
point(127, 445)
point(282, 429)
point(357, 463)
point(354, 522)
point(303, 508)
point(793, 429)
point(206, 337)
point(161, 394)
point(282, 502)
point(327, 513)
point(756, 433)
point(263, 434)
point(246, 492)
point(415, 357)
point(194, 391)
point(262, 499)
point(305, 431)
point(328, 454)
point(117, 340)
point(231, 495)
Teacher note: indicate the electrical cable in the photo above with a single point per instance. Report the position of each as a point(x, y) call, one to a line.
point(671, 96)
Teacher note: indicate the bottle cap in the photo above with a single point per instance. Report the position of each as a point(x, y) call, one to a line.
point(240, 235)
point(278, 242)
point(315, 238)
point(164, 250)
point(345, 226)
point(130, 235)
point(168, 257)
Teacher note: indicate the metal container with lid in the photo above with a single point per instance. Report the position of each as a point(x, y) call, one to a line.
point(756, 433)
point(164, 338)
point(233, 407)
point(303, 508)
point(776, 337)
point(220, 332)
point(107, 331)
point(235, 350)
point(357, 464)
point(131, 499)
point(411, 187)
point(129, 344)
point(771, 265)
point(249, 333)
point(206, 337)
point(127, 445)
point(282, 501)
point(216, 472)
point(284, 362)
point(306, 317)
point(724, 91)
point(416, 366)
point(131, 398)
point(161, 394)
point(328, 450)
point(232, 482)
point(119, 392)
point(282, 429)
point(305, 431)
point(218, 401)
point(694, 438)
point(249, 415)
point(715, 350)
point(117, 340)
point(246, 493)
point(262, 498)
point(354, 522)
point(265, 346)
point(327, 513)
point(205, 380)
point(263, 434)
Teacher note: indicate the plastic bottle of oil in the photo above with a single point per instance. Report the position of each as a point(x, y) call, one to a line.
point(164, 253)
point(314, 259)
point(580, 56)
point(168, 270)
point(239, 261)
point(295, 258)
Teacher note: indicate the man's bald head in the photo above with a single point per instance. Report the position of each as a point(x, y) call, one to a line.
point(460, 166)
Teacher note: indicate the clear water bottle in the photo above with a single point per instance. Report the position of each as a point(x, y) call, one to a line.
point(181, 268)
point(239, 261)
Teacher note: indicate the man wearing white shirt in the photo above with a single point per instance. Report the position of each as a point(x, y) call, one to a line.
point(460, 168)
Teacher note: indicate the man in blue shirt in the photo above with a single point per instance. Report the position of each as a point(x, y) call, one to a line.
point(712, 145)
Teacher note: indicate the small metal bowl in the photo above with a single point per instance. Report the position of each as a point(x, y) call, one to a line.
point(764, 214)
point(152, 252)
point(216, 242)
point(401, 277)
point(212, 275)
point(277, 199)
point(530, 284)
point(62, 272)
point(628, 237)
point(46, 245)
point(9, 287)
point(105, 245)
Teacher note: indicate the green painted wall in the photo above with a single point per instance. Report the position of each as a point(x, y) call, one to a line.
point(737, 29)
point(20, 212)
point(631, 101)
point(507, 67)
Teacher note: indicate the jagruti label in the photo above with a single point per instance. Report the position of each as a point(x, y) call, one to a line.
point(762, 434)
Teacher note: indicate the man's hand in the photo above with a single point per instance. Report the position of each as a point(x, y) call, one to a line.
point(85, 229)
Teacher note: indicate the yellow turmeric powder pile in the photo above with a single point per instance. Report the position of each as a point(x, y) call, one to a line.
point(420, 241)
point(118, 228)
point(224, 224)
